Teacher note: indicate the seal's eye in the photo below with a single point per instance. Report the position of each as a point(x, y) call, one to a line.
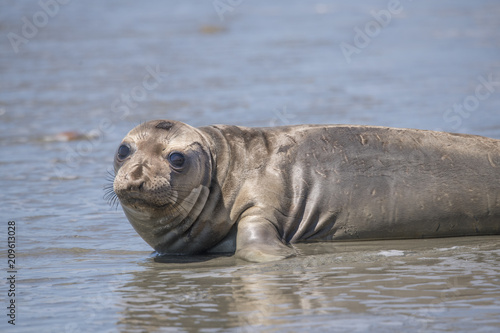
point(123, 152)
point(176, 159)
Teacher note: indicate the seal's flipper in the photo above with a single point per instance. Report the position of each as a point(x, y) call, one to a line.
point(258, 241)
point(264, 253)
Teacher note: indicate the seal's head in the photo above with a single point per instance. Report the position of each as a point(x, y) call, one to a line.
point(163, 172)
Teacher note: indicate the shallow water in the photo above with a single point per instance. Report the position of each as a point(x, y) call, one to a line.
point(80, 265)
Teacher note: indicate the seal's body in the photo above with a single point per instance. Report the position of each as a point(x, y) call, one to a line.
point(257, 190)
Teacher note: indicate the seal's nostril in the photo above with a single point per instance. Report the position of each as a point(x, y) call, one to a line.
point(136, 185)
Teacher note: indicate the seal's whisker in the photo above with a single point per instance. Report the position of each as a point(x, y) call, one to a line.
point(109, 193)
point(110, 175)
point(111, 198)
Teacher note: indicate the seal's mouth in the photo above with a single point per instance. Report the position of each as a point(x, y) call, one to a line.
point(139, 202)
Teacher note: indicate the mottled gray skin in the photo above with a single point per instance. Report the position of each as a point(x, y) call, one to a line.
point(256, 191)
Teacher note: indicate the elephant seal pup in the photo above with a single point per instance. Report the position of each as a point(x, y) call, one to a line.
point(256, 191)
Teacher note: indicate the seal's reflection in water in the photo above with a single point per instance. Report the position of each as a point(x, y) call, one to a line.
point(356, 286)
